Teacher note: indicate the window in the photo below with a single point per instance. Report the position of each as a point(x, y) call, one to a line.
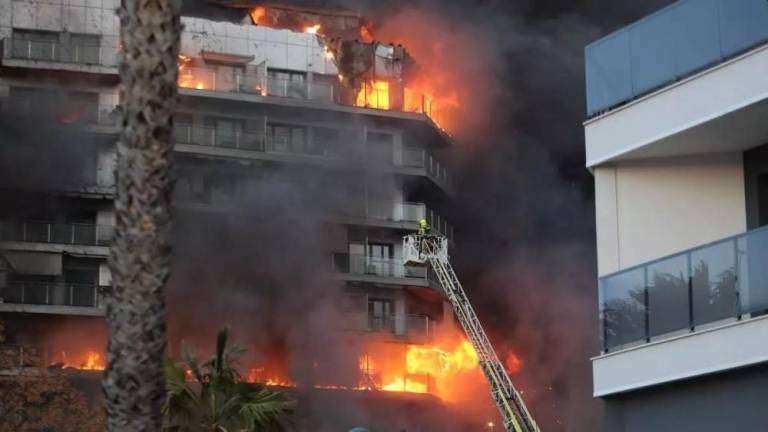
point(762, 199)
point(286, 83)
point(226, 132)
point(381, 315)
point(380, 259)
point(286, 138)
point(380, 147)
point(34, 45)
point(83, 49)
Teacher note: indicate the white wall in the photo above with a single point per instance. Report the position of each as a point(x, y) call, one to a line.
point(648, 209)
point(283, 49)
point(74, 16)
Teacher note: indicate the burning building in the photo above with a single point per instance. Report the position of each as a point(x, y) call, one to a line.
point(304, 151)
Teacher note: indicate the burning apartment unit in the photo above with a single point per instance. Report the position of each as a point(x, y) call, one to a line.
point(304, 151)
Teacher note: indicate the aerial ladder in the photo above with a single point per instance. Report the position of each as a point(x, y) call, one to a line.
point(427, 249)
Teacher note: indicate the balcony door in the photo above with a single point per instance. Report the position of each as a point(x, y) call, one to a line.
point(381, 315)
point(380, 258)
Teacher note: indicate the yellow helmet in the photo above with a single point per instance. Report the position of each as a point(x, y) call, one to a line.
point(423, 222)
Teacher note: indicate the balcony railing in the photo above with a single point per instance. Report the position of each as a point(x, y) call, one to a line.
point(396, 211)
point(61, 112)
point(201, 78)
point(668, 46)
point(51, 294)
point(213, 137)
point(56, 232)
point(420, 158)
point(718, 282)
point(370, 266)
point(417, 327)
point(237, 82)
point(60, 52)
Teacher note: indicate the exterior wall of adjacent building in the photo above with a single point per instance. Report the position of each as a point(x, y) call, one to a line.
point(652, 208)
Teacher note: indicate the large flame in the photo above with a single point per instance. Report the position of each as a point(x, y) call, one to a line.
point(374, 94)
point(88, 360)
point(189, 77)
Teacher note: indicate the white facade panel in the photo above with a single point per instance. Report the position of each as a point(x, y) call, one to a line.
point(682, 119)
point(647, 210)
point(732, 346)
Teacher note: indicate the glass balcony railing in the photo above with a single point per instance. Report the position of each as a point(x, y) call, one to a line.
point(371, 266)
point(56, 232)
point(51, 294)
point(60, 52)
point(396, 211)
point(61, 112)
point(704, 286)
point(420, 158)
point(213, 137)
point(676, 42)
point(418, 328)
point(200, 78)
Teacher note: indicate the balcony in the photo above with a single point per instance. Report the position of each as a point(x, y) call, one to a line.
point(316, 149)
point(56, 232)
point(702, 288)
point(418, 328)
point(60, 55)
point(53, 298)
point(668, 46)
point(361, 265)
point(238, 82)
point(61, 112)
point(420, 158)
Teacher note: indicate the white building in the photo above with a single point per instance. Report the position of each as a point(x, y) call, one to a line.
point(677, 141)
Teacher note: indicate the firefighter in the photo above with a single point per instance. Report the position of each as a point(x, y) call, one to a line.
point(424, 227)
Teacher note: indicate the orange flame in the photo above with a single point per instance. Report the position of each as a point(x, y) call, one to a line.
point(258, 15)
point(188, 77)
point(374, 94)
point(365, 34)
point(313, 29)
point(90, 360)
point(513, 363)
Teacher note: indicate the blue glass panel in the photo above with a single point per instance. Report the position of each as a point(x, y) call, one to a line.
point(714, 282)
point(695, 35)
point(743, 23)
point(622, 306)
point(609, 77)
point(753, 271)
point(652, 56)
point(668, 307)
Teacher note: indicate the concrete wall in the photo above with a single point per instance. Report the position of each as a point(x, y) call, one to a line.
point(732, 401)
point(648, 209)
point(282, 49)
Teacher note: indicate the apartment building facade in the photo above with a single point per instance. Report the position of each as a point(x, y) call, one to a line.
point(254, 101)
point(678, 145)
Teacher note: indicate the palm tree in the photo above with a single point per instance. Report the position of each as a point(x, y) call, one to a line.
point(218, 399)
point(134, 381)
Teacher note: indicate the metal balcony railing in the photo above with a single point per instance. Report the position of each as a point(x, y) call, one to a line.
point(61, 111)
point(721, 281)
point(60, 52)
point(201, 78)
point(51, 294)
point(364, 265)
point(214, 137)
point(237, 82)
point(56, 232)
point(420, 158)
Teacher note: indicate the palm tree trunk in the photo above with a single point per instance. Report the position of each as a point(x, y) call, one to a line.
point(134, 382)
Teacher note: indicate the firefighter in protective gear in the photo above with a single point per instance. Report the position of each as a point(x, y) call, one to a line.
point(423, 227)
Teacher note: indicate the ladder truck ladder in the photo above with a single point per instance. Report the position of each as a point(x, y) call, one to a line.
point(418, 250)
